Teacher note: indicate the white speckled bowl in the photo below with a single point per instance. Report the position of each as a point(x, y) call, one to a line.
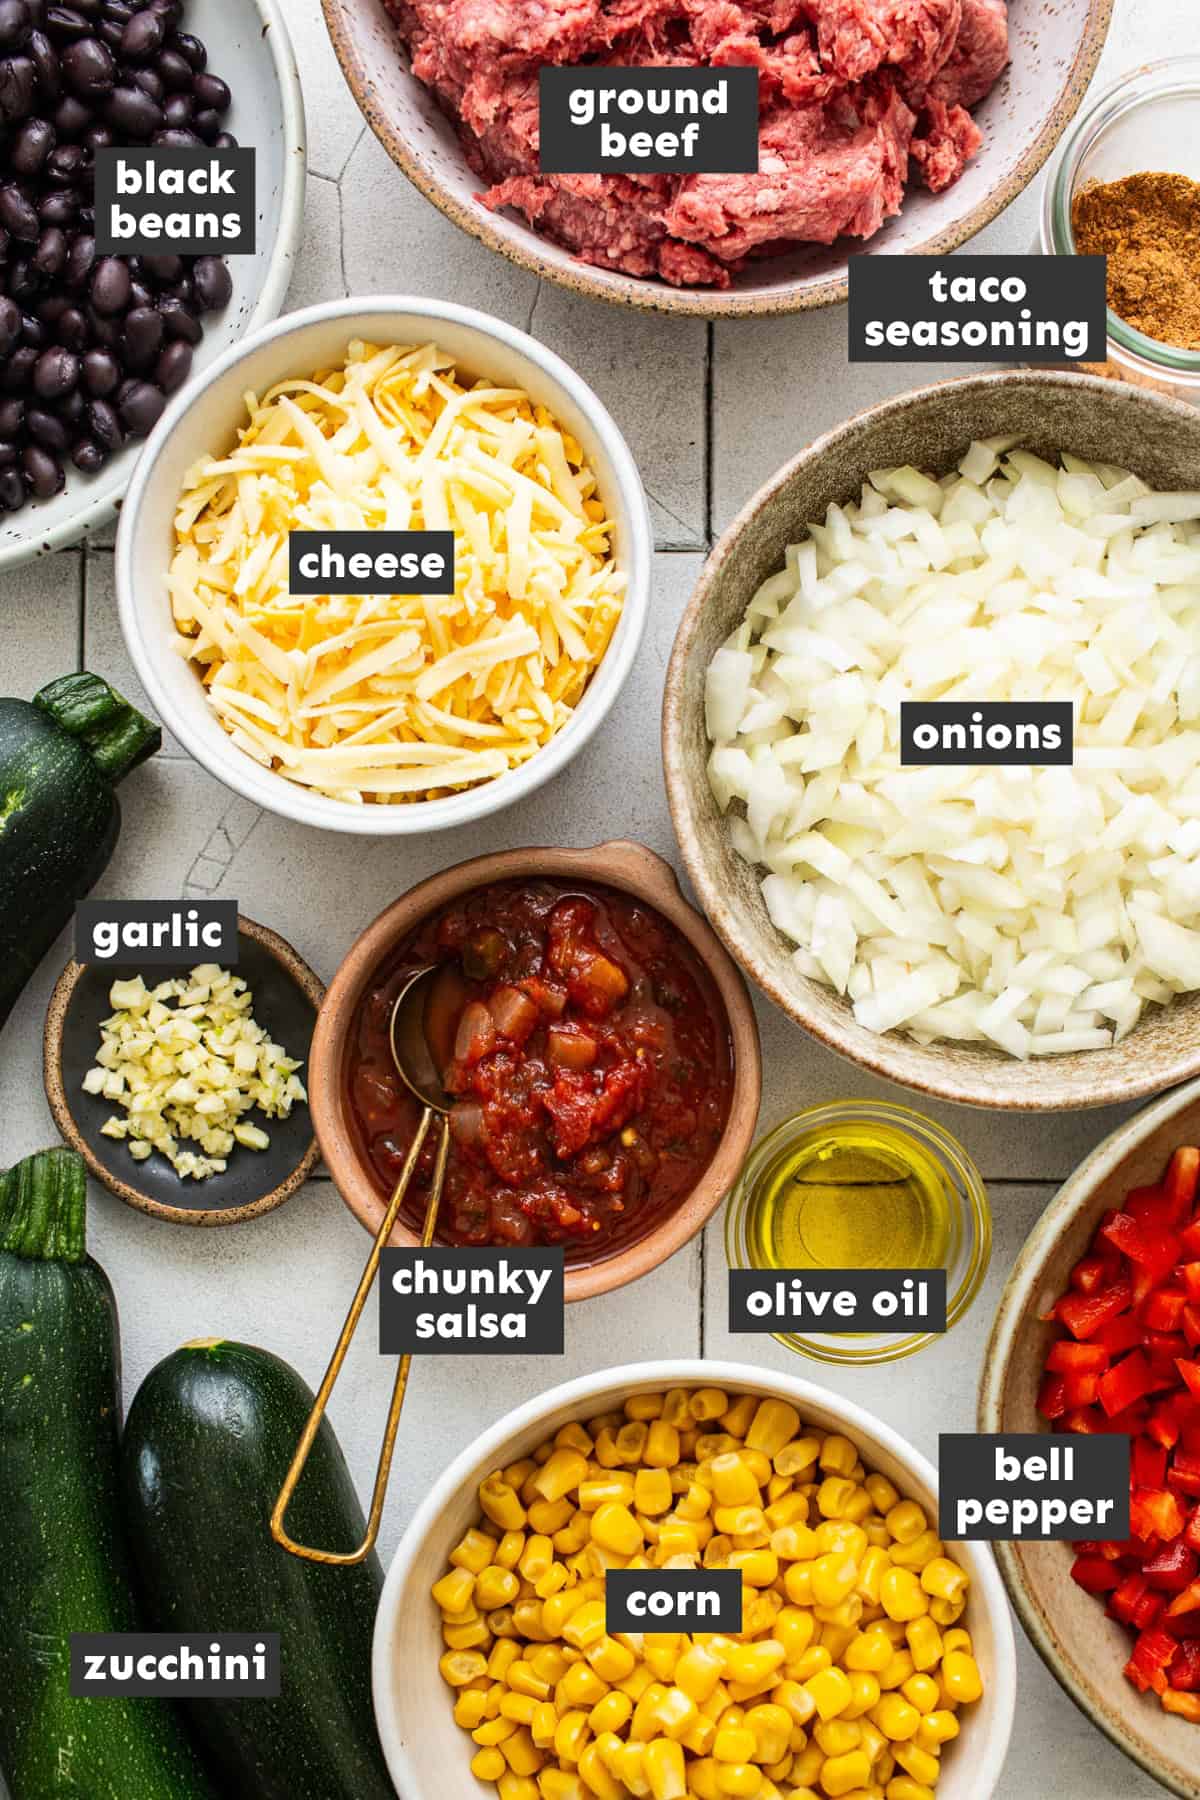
point(1056, 45)
point(248, 47)
point(203, 420)
point(429, 1756)
point(1083, 1650)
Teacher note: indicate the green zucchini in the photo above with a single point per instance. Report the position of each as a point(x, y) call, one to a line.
point(207, 1444)
point(63, 1553)
point(61, 757)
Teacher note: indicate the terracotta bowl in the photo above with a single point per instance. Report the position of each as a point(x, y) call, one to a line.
point(1056, 45)
point(634, 870)
point(1084, 1650)
point(1101, 420)
point(413, 1711)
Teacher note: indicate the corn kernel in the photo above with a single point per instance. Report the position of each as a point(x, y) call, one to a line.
point(961, 1675)
point(896, 1718)
point(830, 1692)
point(488, 1765)
point(901, 1595)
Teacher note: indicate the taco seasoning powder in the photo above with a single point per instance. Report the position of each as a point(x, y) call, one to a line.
point(1148, 225)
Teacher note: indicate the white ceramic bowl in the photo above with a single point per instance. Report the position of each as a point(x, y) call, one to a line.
point(202, 419)
point(427, 1754)
point(248, 47)
point(1056, 45)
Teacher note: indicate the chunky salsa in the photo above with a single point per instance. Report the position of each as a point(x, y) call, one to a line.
point(588, 1054)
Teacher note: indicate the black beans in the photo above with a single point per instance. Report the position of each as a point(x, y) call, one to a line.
point(43, 472)
point(16, 24)
point(179, 320)
point(143, 36)
point(88, 68)
point(90, 347)
point(133, 113)
point(173, 366)
point(18, 85)
point(17, 215)
point(55, 374)
point(212, 283)
point(111, 283)
point(142, 407)
point(101, 373)
point(10, 324)
point(31, 145)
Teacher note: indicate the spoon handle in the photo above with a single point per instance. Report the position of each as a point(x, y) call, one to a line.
point(383, 1472)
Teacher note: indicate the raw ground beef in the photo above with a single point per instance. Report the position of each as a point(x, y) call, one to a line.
point(856, 98)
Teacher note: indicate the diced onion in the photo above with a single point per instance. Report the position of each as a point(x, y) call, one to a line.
point(1038, 909)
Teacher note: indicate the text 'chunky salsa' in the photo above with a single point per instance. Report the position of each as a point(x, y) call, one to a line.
point(588, 1054)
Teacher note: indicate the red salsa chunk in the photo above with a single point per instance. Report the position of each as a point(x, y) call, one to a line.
point(588, 1054)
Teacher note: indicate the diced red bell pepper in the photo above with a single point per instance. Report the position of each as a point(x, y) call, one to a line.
point(1152, 1656)
point(1168, 1418)
point(1191, 1375)
point(1163, 1311)
point(1147, 1203)
point(1184, 1475)
point(1148, 1609)
point(1087, 1419)
point(1173, 1568)
point(1085, 1315)
point(1093, 1273)
point(1189, 1238)
point(1052, 1396)
point(1094, 1575)
point(1185, 1670)
point(1191, 1535)
point(1183, 1179)
point(1149, 1463)
point(1126, 1382)
point(1066, 1357)
point(1119, 1335)
point(1187, 1601)
point(1126, 1597)
point(1162, 1347)
point(1143, 1241)
point(1081, 1390)
point(1155, 1513)
point(1189, 1274)
point(1190, 1323)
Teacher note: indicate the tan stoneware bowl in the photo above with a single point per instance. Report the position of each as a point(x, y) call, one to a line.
point(1055, 45)
point(1084, 1650)
point(634, 870)
point(1102, 420)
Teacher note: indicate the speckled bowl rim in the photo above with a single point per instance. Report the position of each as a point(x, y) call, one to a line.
point(887, 1055)
point(64, 988)
point(1068, 1205)
point(289, 226)
point(655, 296)
point(630, 867)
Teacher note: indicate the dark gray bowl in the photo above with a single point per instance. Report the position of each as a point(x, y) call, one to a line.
point(286, 997)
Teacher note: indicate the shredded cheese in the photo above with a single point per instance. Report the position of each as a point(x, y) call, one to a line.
point(381, 699)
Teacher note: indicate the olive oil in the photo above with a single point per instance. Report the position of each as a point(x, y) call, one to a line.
point(851, 1194)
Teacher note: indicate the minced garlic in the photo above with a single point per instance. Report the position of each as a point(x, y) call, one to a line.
point(395, 697)
point(187, 1060)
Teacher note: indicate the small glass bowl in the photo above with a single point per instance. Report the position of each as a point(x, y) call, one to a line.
point(1148, 121)
point(969, 1243)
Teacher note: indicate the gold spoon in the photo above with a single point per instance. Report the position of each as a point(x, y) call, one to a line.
point(415, 1067)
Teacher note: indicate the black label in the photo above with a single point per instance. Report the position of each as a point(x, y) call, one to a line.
point(157, 933)
point(446, 1302)
point(188, 1665)
point(1012, 734)
point(1034, 1486)
point(371, 562)
point(886, 1301)
point(998, 309)
point(152, 202)
point(673, 1600)
point(602, 120)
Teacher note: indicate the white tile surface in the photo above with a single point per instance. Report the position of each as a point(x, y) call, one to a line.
point(284, 1280)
